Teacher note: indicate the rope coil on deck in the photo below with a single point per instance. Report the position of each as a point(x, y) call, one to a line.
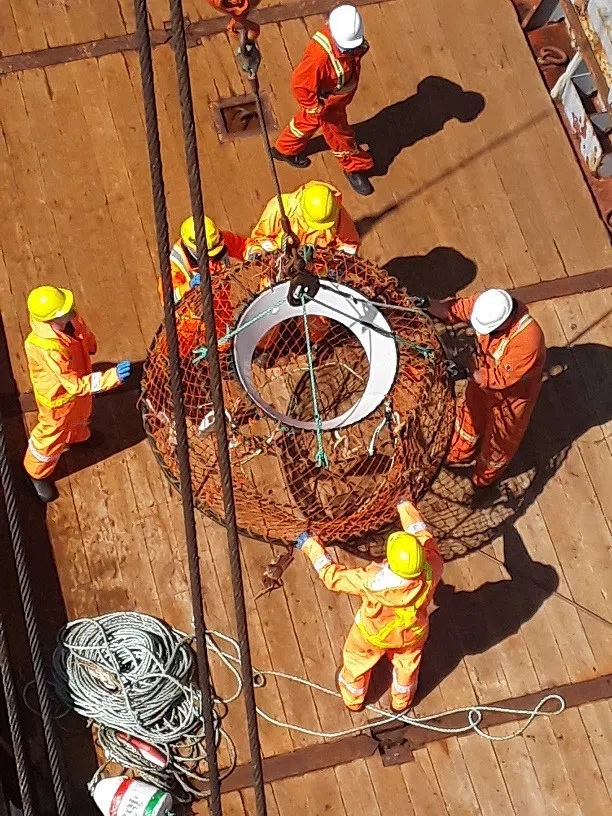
point(132, 674)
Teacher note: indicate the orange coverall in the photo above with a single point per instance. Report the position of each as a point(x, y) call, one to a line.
point(494, 415)
point(63, 383)
point(267, 236)
point(324, 84)
point(393, 618)
point(183, 267)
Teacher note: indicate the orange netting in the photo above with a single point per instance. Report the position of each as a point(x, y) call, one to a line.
point(394, 452)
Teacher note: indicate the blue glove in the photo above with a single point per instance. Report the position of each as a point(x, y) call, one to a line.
point(301, 540)
point(124, 369)
point(195, 281)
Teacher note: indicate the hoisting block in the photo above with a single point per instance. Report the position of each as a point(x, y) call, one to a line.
point(394, 743)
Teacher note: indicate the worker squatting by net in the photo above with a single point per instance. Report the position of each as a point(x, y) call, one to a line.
point(503, 376)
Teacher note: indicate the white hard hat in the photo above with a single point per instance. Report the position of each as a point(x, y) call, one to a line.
point(346, 27)
point(491, 309)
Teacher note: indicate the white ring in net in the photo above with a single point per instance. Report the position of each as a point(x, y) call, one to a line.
point(331, 302)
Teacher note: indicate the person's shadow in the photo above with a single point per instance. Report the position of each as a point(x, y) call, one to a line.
point(437, 100)
point(471, 622)
point(441, 273)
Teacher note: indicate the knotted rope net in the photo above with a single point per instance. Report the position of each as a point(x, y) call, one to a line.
point(342, 482)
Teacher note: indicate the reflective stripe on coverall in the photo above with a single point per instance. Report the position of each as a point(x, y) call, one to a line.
point(392, 619)
point(267, 236)
point(183, 267)
point(495, 414)
point(324, 84)
point(63, 384)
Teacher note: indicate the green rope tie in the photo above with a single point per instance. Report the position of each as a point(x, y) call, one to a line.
point(199, 354)
point(321, 459)
point(425, 351)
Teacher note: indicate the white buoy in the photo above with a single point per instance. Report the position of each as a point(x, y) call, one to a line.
point(120, 796)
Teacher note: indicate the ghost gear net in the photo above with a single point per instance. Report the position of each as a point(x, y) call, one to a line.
point(314, 441)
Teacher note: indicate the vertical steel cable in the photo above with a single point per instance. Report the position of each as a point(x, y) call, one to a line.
point(10, 695)
point(182, 443)
point(216, 383)
point(27, 602)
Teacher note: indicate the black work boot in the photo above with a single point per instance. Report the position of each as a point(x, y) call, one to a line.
point(360, 183)
point(45, 489)
point(300, 160)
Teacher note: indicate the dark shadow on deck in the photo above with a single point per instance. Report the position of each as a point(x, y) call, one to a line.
point(403, 124)
point(441, 273)
point(471, 622)
point(78, 756)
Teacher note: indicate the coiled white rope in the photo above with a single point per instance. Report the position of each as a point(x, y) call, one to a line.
point(133, 674)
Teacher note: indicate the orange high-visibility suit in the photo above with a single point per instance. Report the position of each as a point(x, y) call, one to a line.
point(268, 233)
point(63, 384)
point(393, 618)
point(183, 267)
point(495, 413)
point(324, 84)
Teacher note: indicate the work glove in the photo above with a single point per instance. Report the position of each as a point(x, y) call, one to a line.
point(422, 302)
point(124, 369)
point(301, 540)
point(195, 281)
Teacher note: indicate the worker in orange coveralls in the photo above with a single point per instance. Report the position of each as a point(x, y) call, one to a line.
point(393, 618)
point(317, 219)
point(58, 350)
point(505, 377)
point(324, 84)
point(222, 247)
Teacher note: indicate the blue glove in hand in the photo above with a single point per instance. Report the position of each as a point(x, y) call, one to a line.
point(124, 369)
point(195, 281)
point(301, 540)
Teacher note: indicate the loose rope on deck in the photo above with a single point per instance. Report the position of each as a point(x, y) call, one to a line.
point(132, 674)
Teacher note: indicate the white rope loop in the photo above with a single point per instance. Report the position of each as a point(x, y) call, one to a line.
point(132, 673)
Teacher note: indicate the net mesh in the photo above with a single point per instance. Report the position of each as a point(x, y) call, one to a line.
point(280, 490)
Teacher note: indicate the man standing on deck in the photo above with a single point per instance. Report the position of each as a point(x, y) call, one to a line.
point(324, 84)
point(393, 618)
point(505, 376)
point(222, 246)
point(58, 351)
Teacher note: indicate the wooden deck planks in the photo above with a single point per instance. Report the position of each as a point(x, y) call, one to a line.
point(79, 196)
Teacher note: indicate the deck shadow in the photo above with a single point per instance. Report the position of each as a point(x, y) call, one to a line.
point(401, 125)
point(471, 622)
point(77, 752)
point(441, 273)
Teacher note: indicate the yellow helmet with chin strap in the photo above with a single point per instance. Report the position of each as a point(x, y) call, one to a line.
point(319, 205)
point(405, 555)
point(47, 303)
point(214, 240)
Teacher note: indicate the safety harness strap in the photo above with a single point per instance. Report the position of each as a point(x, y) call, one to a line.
point(501, 349)
point(325, 44)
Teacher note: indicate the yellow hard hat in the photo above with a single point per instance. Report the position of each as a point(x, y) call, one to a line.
point(213, 236)
point(47, 303)
point(405, 555)
point(319, 205)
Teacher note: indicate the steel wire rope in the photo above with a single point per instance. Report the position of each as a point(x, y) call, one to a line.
point(29, 614)
point(14, 721)
point(174, 364)
point(216, 390)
